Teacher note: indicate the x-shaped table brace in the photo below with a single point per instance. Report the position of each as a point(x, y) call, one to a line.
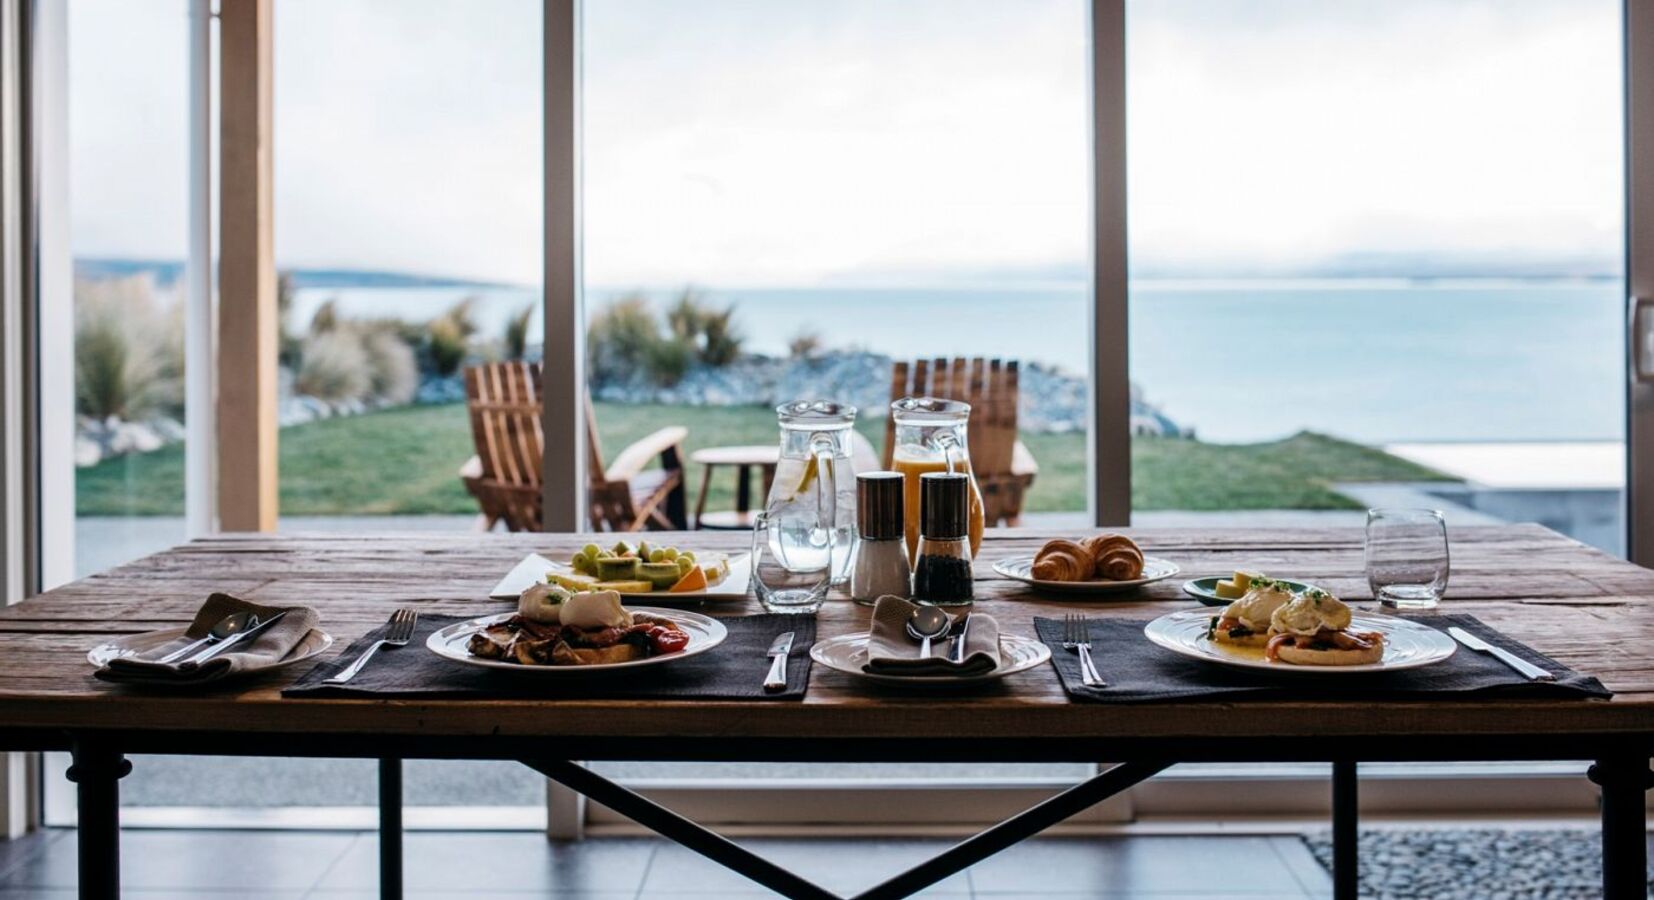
point(733, 856)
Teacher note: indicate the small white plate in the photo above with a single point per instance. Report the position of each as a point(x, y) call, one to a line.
point(704, 633)
point(1021, 569)
point(314, 643)
point(1407, 645)
point(532, 570)
point(848, 653)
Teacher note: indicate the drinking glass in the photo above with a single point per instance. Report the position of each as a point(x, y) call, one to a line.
point(1407, 563)
point(791, 576)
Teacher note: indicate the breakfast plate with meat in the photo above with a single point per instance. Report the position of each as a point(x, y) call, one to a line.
point(1274, 628)
point(557, 632)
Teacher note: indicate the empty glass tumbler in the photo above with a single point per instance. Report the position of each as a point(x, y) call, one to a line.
point(1407, 560)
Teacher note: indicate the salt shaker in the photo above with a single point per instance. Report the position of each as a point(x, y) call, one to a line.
point(881, 565)
point(942, 575)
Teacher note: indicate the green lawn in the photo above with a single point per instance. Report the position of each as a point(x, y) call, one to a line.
point(404, 461)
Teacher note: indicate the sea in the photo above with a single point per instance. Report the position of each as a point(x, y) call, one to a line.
point(1377, 361)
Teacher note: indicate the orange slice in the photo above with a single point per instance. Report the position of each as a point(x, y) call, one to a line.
point(693, 580)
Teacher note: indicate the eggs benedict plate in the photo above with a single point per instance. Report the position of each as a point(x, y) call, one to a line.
point(558, 631)
point(1310, 632)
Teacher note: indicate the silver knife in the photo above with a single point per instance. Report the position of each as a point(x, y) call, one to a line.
point(956, 653)
point(231, 641)
point(1528, 669)
point(779, 648)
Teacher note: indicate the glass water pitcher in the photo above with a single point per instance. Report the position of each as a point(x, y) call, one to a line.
point(931, 436)
point(810, 514)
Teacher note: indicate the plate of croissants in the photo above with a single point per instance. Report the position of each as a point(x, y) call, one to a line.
point(1096, 564)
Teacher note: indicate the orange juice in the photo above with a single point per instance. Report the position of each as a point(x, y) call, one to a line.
point(911, 469)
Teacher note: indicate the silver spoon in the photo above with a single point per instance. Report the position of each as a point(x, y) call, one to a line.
point(925, 623)
point(229, 626)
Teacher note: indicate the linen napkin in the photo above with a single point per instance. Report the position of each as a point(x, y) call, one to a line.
point(891, 652)
point(262, 651)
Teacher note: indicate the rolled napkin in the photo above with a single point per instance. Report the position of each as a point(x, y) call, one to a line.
point(261, 651)
point(1114, 557)
point(891, 652)
point(1062, 560)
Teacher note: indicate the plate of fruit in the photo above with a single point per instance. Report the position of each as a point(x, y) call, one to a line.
point(1217, 590)
point(659, 572)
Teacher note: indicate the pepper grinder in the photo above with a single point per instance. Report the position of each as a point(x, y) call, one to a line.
point(942, 575)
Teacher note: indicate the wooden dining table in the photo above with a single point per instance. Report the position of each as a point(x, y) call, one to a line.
point(1578, 605)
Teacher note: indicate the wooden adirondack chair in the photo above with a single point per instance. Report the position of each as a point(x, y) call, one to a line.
point(1004, 468)
point(504, 476)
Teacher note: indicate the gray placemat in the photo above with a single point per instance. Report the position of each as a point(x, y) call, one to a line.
point(734, 670)
point(1140, 671)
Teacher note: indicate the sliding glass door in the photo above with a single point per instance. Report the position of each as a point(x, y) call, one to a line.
point(1377, 259)
point(783, 199)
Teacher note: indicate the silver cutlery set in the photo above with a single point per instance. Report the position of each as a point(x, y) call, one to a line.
point(224, 635)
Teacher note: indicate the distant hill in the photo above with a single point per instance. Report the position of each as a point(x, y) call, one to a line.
point(167, 272)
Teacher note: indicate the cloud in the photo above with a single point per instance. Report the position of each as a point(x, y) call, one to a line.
point(797, 142)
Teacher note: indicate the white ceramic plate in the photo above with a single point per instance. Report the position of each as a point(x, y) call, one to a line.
point(532, 570)
point(704, 634)
point(1021, 569)
point(848, 653)
point(314, 643)
point(1407, 645)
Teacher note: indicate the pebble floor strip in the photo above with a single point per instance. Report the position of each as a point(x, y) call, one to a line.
point(1480, 864)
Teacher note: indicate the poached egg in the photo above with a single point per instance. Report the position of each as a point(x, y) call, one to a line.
point(1260, 603)
point(1310, 612)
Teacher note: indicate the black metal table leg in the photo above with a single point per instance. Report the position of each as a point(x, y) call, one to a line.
point(390, 828)
point(1624, 781)
point(96, 772)
point(1346, 822)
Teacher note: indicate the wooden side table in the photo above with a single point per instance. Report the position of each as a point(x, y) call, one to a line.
point(744, 460)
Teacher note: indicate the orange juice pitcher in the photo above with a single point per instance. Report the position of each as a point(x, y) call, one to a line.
point(931, 437)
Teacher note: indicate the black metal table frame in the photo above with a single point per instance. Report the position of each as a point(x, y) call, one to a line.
point(1620, 767)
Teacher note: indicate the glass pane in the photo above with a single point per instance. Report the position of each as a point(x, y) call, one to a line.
point(1377, 261)
point(782, 199)
point(128, 171)
point(408, 239)
point(408, 174)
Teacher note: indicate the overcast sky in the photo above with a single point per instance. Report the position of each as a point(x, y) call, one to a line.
point(801, 142)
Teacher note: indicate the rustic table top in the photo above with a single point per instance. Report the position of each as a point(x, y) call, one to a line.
point(1576, 604)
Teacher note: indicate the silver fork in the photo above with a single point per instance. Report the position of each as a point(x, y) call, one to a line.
point(1076, 636)
point(401, 629)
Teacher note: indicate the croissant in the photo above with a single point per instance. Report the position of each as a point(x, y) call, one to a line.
point(1063, 561)
point(1114, 557)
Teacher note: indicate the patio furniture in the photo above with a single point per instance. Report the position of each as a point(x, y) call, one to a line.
point(505, 477)
point(1577, 604)
point(743, 460)
point(1003, 466)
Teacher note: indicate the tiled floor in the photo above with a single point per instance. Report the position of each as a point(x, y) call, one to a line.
point(271, 865)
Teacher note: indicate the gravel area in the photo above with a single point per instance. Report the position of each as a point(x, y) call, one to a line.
point(1484, 864)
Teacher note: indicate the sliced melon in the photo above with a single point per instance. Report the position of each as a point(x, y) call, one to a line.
point(715, 566)
point(624, 587)
point(573, 582)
